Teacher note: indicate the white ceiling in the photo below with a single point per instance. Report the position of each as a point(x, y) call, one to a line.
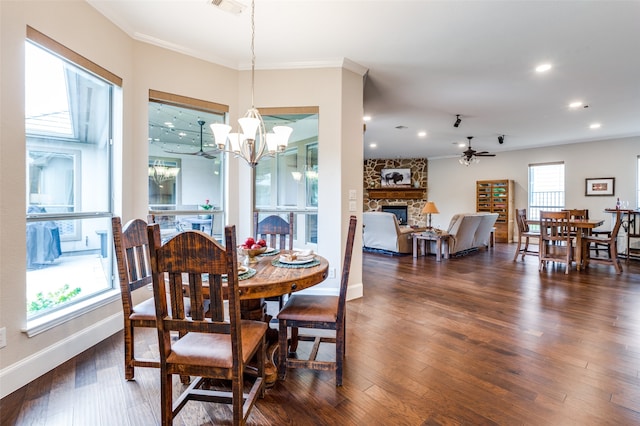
point(431, 60)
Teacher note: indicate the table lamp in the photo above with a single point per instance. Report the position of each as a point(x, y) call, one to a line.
point(429, 208)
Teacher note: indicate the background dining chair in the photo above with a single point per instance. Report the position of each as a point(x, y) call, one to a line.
point(610, 243)
point(524, 234)
point(318, 312)
point(211, 345)
point(278, 233)
point(131, 245)
point(556, 241)
point(580, 214)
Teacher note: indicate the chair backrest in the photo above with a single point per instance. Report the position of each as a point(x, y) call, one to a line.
point(131, 245)
point(521, 220)
point(577, 214)
point(346, 267)
point(188, 259)
point(277, 232)
point(554, 228)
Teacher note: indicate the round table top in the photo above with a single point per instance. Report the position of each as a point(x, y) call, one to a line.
point(272, 281)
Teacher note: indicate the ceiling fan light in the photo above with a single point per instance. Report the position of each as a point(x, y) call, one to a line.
point(220, 133)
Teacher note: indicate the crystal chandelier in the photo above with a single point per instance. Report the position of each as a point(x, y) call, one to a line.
point(161, 172)
point(253, 142)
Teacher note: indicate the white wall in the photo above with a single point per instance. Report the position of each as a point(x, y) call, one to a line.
point(452, 185)
point(142, 67)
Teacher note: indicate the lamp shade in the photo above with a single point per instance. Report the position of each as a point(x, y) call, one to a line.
point(430, 207)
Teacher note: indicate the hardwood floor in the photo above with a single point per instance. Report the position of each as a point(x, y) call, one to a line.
point(473, 340)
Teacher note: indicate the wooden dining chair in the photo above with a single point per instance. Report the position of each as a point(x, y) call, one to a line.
point(524, 234)
point(580, 214)
point(211, 345)
point(556, 241)
point(131, 245)
point(609, 243)
point(278, 233)
point(317, 312)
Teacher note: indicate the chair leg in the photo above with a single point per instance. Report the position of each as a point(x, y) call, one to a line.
point(282, 349)
point(166, 400)
point(515, 257)
point(293, 345)
point(128, 351)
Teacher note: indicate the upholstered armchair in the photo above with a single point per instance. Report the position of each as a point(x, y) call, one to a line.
point(381, 231)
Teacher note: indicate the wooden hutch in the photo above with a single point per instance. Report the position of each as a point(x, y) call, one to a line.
point(496, 196)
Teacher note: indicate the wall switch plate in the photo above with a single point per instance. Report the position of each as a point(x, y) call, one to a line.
point(3, 337)
point(332, 272)
point(352, 206)
point(352, 194)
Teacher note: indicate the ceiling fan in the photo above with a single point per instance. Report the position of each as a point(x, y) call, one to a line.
point(470, 155)
point(205, 154)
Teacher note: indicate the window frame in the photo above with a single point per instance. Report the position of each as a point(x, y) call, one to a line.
point(50, 318)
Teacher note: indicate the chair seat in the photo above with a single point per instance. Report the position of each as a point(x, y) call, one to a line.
point(144, 310)
point(303, 307)
point(214, 350)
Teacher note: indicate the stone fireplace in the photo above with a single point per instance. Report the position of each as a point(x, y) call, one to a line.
point(413, 198)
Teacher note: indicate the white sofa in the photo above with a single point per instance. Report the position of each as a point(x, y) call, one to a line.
point(381, 231)
point(470, 231)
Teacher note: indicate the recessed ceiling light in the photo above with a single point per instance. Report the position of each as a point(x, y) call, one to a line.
point(543, 67)
point(422, 134)
point(461, 144)
point(575, 104)
point(595, 126)
point(367, 118)
point(373, 145)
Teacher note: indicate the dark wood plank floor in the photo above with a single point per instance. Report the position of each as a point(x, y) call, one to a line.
point(472, 340)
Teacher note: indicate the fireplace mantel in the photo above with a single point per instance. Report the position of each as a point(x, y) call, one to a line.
point(397, 193)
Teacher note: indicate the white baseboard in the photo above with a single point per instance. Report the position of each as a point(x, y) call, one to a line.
point(28, 369)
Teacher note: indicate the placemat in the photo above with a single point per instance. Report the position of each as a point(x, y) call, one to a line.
point(270, 253)
point(276, 262)
point(243, 276)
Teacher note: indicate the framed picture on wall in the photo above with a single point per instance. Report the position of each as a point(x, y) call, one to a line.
point(395, 177)
point(600, 186)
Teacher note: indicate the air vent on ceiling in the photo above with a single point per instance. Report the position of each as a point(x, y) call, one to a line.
point(230, 6)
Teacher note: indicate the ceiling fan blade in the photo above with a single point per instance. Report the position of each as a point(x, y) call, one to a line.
point(183, 153)
point(485, 154)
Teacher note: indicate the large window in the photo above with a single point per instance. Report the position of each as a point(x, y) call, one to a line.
point(186, 171)
point(546, 188)
point(289, 182)
point(68, 195)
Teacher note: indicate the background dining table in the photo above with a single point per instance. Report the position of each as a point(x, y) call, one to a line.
point(584, 225)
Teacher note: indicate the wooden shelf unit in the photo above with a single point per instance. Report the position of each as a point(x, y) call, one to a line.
point(496, 196)
point(397, 193)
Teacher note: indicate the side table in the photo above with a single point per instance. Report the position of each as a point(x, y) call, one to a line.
point(439, 238)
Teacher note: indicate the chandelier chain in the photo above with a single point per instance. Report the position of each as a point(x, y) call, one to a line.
point(253, 50)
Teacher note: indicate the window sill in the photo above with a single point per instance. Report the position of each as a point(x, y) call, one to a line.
point(47, 322)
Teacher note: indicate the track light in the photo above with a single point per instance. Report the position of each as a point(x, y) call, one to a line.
point(458, 121)
point(501, 139)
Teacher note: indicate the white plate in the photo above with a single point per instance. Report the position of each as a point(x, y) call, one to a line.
point(296, 262)
point(269, 250)
point(242, 269)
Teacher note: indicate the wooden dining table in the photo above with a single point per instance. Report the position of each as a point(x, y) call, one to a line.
point(583, 225)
